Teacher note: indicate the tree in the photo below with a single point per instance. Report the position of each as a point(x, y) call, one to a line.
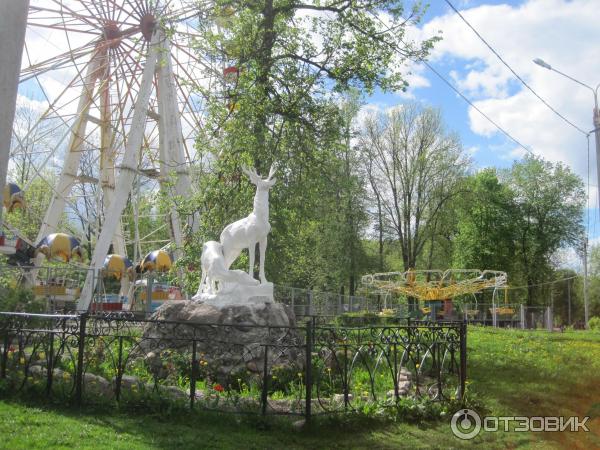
point(415, 169)
point(485, 232)
point(289, 56)
point(548, 205)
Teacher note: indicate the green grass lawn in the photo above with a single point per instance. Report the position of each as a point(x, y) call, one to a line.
point(511, 373)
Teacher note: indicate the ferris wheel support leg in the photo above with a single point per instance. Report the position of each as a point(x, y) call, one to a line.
point(13, 22)
point(73, 157)
point(172, 155)
point(107, 160)
point(126, 176)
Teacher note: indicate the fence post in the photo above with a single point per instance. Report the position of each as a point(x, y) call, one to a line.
point(308, 370)
point(119, 377)
point(463, 359)
point(308, 308)
point(149, 285)
point(293, 307)
point(522, 317)
point(193, 375)
point(6, 344)
point(81, 348)
point(265, 384)
point(50, 365)
point(549, 318)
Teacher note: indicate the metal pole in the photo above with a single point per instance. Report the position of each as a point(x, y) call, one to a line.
point(586, 310)
point(522, 316)
point(13, 22)
point(463, 359)
point(308, 368)
point(80, 353)
point(569, 300)
point(149, 286)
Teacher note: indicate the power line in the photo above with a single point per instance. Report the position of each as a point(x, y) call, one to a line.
point(489, 119)
point(513, 72)
point(459, 93)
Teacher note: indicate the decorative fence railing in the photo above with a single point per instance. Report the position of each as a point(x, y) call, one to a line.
point(303, 371)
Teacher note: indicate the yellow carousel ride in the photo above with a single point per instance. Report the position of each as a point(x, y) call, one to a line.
point(154, 283)
point(436, 289)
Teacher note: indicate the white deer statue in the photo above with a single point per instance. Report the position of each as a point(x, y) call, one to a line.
point(245, 233)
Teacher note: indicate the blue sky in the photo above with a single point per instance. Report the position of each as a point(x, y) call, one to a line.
point(560, 32)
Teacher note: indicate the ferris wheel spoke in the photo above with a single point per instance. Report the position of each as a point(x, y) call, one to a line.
point(60, 14)
point(92, 21)
point(58, 61)
point(133, 4)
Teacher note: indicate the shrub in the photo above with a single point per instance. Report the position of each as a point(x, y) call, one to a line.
point(363, 319)
point(594, 323)
point(20, 299)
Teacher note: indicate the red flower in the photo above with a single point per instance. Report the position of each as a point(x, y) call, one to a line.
point(218, 388)
point(11, 349)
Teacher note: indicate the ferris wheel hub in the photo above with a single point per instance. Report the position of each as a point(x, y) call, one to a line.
point(112, 33)
point(147, 25)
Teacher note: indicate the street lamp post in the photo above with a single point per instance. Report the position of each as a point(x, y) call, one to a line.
point(596, 130)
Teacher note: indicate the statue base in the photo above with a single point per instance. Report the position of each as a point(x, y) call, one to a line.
point(238, 295)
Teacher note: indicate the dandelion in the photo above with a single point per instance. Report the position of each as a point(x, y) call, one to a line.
point(22, 360)
point(274, 377)
point(299, 374)
point(417, 365)
point(42, 355)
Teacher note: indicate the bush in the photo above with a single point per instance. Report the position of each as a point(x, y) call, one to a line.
point(364, 319)
point(20, 299)
point(594, 323)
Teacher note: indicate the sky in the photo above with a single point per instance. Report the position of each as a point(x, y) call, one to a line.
point(557, 31)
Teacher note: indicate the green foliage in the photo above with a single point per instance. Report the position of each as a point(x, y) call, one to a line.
point(20, 299)
point(548, 204)
point(362, 319)
point(486, 235)
point(594, 323)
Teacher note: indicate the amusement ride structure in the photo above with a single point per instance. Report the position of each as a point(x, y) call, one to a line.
point(430, 286)
point(121, 82)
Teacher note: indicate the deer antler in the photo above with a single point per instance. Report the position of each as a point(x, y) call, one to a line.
point(251, 173)
point(272, 170)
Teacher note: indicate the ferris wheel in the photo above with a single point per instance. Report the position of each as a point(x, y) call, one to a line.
point(124, 90)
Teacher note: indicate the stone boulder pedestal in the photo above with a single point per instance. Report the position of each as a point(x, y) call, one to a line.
point(230, 337)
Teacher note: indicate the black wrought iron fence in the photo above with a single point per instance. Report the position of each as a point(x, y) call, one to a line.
point(306, 370)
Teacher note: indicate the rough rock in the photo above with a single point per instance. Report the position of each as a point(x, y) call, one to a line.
point(230, 339)
point(97, 385)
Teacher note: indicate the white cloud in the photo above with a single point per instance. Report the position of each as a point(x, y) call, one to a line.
point(561, 33)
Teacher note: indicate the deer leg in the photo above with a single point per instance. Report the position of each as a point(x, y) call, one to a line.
point(263, 252)
point(202, 282)
point(251, 249)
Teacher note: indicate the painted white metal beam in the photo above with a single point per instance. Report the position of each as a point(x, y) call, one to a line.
point(127, 172)
point(73, 157)
point(107, 157)
point(13, 21)
point(174, 166)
